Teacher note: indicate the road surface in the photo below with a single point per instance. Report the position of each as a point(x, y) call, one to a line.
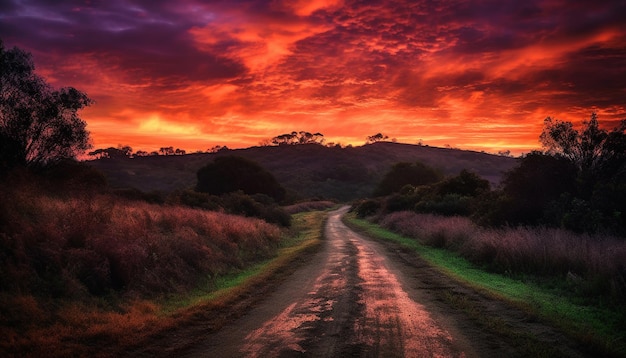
point(357, 298)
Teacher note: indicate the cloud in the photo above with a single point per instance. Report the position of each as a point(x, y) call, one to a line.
point(458, 71)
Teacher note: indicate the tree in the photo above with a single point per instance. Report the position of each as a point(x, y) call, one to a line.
point(119, 152)
point(228, 174)
point(590, 149)
point(466, 184)
point(401, 174)
point(38, 125)
point(166, 150)
point(375, 138)
point(301, 137)
point(598, 155)
point(538, 180)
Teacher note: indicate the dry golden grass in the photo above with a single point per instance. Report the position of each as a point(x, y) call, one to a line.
point(594, 265)
point(85, 270)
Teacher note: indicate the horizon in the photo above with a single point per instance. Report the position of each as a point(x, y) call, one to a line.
point(148, 153)
point(479, 76)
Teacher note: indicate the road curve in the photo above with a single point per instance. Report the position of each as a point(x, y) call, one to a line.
point(350, 300)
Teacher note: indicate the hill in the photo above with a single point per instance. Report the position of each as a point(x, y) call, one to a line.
point(306, 171)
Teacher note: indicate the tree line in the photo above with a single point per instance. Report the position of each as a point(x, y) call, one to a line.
point(293, 138)
point(578, 182)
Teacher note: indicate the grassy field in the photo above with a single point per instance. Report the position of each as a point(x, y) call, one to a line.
point(595, 322)
point(82, 274)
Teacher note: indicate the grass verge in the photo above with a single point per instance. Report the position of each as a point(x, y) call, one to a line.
point(598, 326)
point(230, 295)
point(306, 236)
point(142, 327)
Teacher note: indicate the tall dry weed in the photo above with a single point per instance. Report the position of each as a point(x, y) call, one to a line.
point(596, 263)
point(79, 249)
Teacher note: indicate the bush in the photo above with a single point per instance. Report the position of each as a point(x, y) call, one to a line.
point(402, 174)
point(549, 252)
point(366, 208)
point(239, 203)
point(73, 248)
point(448, 205)
point(229, 174)
point(464, 184)
point(259, 205)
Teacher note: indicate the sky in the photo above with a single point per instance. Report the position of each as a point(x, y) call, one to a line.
point(475, 75)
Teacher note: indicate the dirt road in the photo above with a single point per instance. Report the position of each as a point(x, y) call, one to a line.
point(357, 298)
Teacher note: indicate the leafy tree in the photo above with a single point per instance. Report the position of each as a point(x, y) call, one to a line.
point(301, 137)
point(594, 151)
point(166, 150)
point(99, 153)
point(599, 156)
point(401, 174)
point(538, 180)
point(119, 152)
point(228, 174)
point(375, 138)
point(38, 125)
point(466, 184)
point(217, 149)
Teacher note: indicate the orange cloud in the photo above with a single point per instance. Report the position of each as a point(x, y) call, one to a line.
point(478, 75)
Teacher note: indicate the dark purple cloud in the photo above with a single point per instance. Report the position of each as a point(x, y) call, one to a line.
point(271, 64)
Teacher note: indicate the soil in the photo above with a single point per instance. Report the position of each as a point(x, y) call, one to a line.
point(358, 297)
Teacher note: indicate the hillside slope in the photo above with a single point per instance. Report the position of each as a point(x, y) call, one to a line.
point(305, 170)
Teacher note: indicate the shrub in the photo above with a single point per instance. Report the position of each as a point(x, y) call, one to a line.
point(237, 203)
point(229, 174)
point(366, 208)
point(448, 205)
point(53, 247)
point(402, 174)
point(598, 260)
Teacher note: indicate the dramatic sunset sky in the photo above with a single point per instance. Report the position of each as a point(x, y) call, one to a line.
point(192, 74)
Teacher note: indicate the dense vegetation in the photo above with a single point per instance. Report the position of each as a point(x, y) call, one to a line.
point(67, 253)
point(578, 183)
point(306, 170)
point(69, 244)
point(232, 173)
point(559, 214)
point(38, 124)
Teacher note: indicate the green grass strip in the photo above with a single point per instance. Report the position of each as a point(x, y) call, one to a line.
point(600, 325)
point(305, 236)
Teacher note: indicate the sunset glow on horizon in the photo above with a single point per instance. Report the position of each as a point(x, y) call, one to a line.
point(476, 75)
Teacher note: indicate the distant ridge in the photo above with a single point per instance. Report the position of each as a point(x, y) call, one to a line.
point(306, 171)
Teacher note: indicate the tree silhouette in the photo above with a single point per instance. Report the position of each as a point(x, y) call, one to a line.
point(376, 138)
point(534, 183)
point(590, 148)
point(167, 150)
point(401, 174)
point(598, 154)
point(119, 152)
point(232, 173)
point(466, 184)
point(301, 137)
point(38, 124)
